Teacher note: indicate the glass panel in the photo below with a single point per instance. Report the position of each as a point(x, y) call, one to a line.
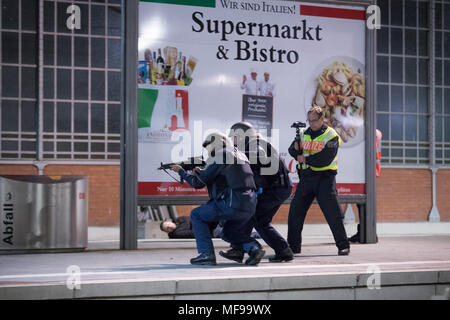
point(28, 146)
point(438, 100)
point(396, 69)
point(384, 6)
point(49, 50)
point(29, 82)
point(397, 13)
point(84, 8)
point(10, 47)
point(63, 146)
point(423, 100)
point(49, 83)
point(97, 147)
point(98, 20)
point(447, 72)
point(49, 16)
point(438, 44)
point(423, 71)
point(410, 13)
point(410, 99)
point(447, 129)
point(423, 153)
point(64, 84)
point(382, 98)
point(81, 147)
point(438, 129)
point(411, 70)
point(438, 72)
point(382, 69)
point(447, 44)
point(81, 55)
point(446, 15)
point(447, 101)
point(81, 113)
point(114, 53)
point(410, 128)
point(423, 43)
point(396, 40)
point(114, 118)
point(113, 147)
point(29, 116)
point(114, 16)
point(396, 127)
point(64, 51)
point(10, 145)
point(49, 116)
point(10, 14)
point(411, 153)
point(62, 17)
point(423, 128)
point(383, 125)
point(98, 52)
point(97, 85)
point(97, 118)
point(29, 15)
point(48, 146)
point(410, 42)
point(113, 86)
point(63, 117)
point(398, 153)
point(10, 81)
point(396, 99)
point(29, 48)
point(81, 85)
point(438, 16)
point(10, 115)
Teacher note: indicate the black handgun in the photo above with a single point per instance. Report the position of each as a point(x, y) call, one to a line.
point(298, 125)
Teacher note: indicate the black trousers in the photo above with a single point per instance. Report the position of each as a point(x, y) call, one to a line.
point(268, 204)
point(323, 187)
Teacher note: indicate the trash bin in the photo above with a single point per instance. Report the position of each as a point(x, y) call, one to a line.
point(43, 213)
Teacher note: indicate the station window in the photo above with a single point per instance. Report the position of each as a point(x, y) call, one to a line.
point(80, 103)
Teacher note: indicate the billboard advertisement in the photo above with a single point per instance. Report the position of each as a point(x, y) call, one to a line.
point(204, 65)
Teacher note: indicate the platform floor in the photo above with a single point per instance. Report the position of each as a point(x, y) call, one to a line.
point(161, 270)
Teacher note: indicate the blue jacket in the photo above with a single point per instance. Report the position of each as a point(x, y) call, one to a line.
point(229, 182)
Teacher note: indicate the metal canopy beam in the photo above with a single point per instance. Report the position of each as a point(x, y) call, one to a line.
point(128, 126)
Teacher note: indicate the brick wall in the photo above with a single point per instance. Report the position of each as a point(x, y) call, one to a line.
point(402, 194)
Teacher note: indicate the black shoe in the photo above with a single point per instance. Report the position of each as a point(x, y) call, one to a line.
point(344, 252)
point(233, 254)
point(204, 259)
point(255, 256)
point(284, 255)
point(354, 238)
point(296, 250)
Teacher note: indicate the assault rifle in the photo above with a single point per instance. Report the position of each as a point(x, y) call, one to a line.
point(188, 165)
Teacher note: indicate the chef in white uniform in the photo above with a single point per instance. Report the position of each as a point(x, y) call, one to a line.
point(265, 87)
point(250, 85)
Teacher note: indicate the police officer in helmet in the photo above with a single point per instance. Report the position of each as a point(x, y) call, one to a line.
point(232, 193)
point(274, 186)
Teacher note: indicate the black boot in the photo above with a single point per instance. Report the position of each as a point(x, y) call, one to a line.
point(204, 259)
point(344, 252)
point(284, 255)
point(233, 254)
point(355, 237)
point(255, 255)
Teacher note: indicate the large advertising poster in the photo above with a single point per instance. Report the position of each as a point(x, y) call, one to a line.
point(207, 64)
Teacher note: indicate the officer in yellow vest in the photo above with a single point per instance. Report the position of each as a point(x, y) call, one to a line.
point(317, 168)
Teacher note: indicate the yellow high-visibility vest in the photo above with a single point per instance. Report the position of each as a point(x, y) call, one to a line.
point(313, 146)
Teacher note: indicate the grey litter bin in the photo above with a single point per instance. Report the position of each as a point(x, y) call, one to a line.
point(43, 213)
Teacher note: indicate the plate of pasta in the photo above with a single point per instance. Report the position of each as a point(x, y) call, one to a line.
point(338, 86)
